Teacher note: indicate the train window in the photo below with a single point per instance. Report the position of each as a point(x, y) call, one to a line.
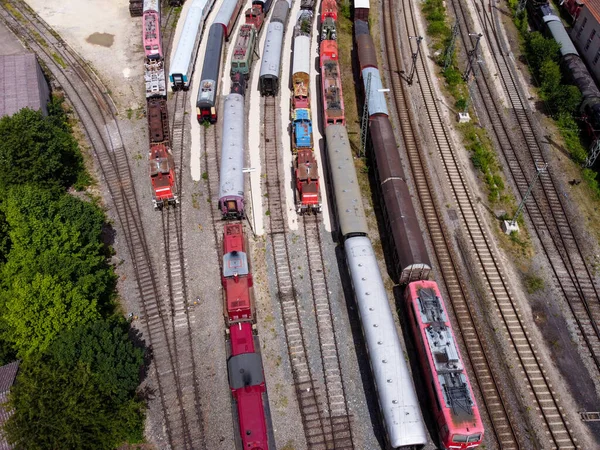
point(589, 41)
point(474, 437)
point(459, 438)
point(582, 27)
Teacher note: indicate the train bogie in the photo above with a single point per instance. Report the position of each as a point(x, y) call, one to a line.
point(206, 104)
point(307, 182)
point(231, 192)
point(244, 51)
point(398, 400)
point(346, 190)
point(452, 402)
point(162, 175)
point(227, 16)
point(271, 60)
point(410, 256)
point(158, 122)
point(302, 136)
point(184, 58)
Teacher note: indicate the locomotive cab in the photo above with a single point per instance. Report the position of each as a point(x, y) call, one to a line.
point(162, 175)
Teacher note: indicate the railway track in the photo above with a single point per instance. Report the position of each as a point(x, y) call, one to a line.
point(341, 429)
point(326, 423)
point(524, 355)
point(545, 209)
point(97, 114)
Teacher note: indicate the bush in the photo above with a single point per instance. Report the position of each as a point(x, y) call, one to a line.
point(38, 149)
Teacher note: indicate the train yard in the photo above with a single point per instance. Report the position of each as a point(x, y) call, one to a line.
point(249, 334)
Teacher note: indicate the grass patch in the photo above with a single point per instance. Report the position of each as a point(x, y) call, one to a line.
point(61, 62)
point(533, 283)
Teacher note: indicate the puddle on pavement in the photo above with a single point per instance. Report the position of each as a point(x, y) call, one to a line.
point(103, 39)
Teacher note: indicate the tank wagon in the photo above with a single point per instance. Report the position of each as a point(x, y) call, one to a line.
point(300, 72)
point(244, 365)
point(271, 60)
point(410, 256)
point(450, 394)
point(184, 58)
point(231, 192)
point(206, 107)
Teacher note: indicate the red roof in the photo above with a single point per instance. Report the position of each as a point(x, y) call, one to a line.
point(594, 7)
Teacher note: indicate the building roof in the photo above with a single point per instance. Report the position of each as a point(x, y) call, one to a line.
point(594, 7)
point(8, 373)
point(22, 84)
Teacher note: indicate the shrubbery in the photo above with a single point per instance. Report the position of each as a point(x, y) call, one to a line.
point(76, 387)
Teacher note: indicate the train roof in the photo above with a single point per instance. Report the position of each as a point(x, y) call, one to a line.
point(443, 355)
point(377, 102)
point(225, 12)
point(245, 370)
point(348, 200)
point(301, 62)
point(280, 12)
point(560, 35)
point(397, 396)
point(211, 67)
point(361, 4)
point(151, 5)
point(272, 50)
point(242, 338)
point(194, 24)
point(235, 263)
point(233, 145)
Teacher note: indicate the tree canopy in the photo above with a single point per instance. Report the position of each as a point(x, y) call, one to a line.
point(56, 274)
point(72, 397)
point(38, 149)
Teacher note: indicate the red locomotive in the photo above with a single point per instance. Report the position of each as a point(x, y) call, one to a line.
point(452, 402)
point(160, 159)
point(307, 182)
point(244, 366)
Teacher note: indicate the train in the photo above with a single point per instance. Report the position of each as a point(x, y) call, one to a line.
point(451, 396)
point(306, 171)
point(270, 66)
point(160, 158)
point(220, 31)
point(183, 61)
point(244, 364)
point(546, 19)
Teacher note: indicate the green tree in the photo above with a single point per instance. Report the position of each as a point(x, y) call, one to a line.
point(56, 274)
point(540, 49)
point(61, 401)
point(37, 149)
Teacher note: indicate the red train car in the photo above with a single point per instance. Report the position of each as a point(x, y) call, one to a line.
point(236, 277)
point(452, 401)
point(256, 17)
point(151, 30)
point(331, 84)
point(307, 182)
point(162, 175)
point(329, 9)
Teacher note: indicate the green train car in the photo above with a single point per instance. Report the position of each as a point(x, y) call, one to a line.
point(244, 51)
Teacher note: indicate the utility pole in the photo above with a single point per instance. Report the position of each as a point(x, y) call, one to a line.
point(521, 6)
point(415, 55)
point(364, 123)
point(511, 225)
point(472, 56)
point(450, 49)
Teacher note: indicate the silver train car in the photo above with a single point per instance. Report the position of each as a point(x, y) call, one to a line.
point(346, 190)
point(184, 58)
point(271, 60)
point(377, 103)
point(228, 14)
point(397, 396)
point(231, 189)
